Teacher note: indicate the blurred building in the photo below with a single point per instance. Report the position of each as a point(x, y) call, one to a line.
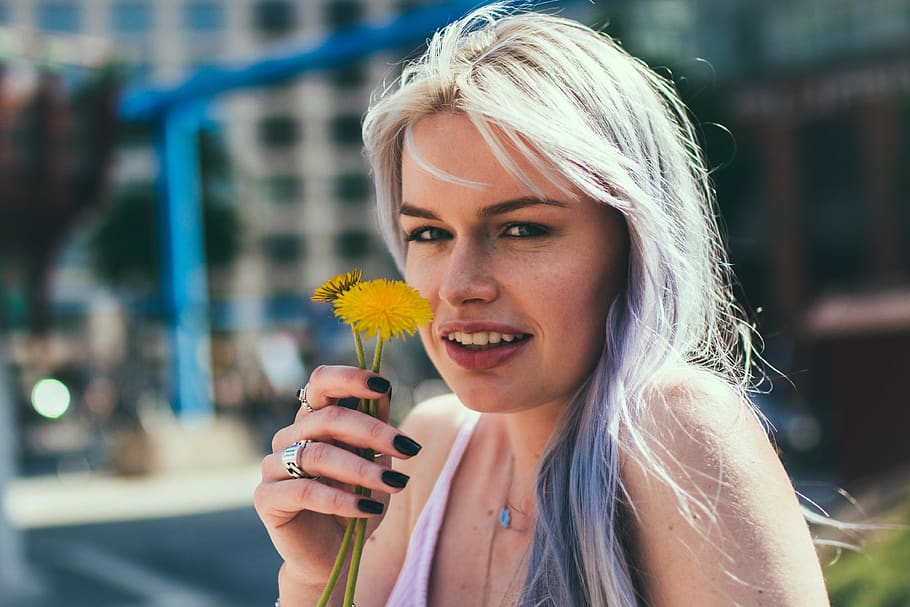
point(298, 183)
point(812, 183)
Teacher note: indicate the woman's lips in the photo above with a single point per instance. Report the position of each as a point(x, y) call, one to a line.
point(483, 357)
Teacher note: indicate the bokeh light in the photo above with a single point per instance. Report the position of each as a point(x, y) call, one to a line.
point(50, 397)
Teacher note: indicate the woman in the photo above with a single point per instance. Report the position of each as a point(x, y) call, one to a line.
point(544, 191)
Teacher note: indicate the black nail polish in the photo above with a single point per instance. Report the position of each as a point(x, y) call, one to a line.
point(351, 402)
point(405, 446)
point(395, 479)
point(370, 506)
point(378, 384)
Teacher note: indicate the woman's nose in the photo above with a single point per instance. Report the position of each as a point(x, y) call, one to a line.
point(469, 276)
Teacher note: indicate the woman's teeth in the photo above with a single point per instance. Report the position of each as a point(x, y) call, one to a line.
point(482, 338)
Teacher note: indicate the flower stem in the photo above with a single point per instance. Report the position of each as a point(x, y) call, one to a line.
point(377, 355)
point(339, 563)
point(360, 534)
point(355, 562)
point(358, 344)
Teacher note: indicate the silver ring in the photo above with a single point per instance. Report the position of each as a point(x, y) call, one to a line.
point(301, 396)
point(290, 457)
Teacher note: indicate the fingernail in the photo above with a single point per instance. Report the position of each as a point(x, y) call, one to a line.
point(395, 479)
point(370, 506)
point(351, 402)
point(405, 445)
point(378, 384)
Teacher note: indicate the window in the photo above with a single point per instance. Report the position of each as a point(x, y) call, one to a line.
point(274, 16)
point(345, 129)
point(352, 244)
point(349, 76)
point(4, 14)
point(352, 187)
point(202, 16)
point(342, 13)
point(282, 248)
point(131, 17)
point(58, 17)
point(279, 131)
point(282, 188)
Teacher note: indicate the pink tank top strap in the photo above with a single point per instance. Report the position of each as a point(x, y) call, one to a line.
point(412, 585)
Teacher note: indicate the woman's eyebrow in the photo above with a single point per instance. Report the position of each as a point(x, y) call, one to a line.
point(499, 208)
point(518, 203)
point(412, 211)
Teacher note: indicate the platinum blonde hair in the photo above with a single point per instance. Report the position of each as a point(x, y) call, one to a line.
point(594, 120)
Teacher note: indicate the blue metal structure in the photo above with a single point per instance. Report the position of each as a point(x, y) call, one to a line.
point(178, 112)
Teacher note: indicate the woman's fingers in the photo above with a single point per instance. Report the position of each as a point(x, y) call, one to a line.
point(278, 503)
point(349, 427)
point(325, 459)
point(329, 384)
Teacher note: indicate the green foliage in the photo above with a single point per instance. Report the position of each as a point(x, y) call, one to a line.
point(124, 246)
point(877, 576)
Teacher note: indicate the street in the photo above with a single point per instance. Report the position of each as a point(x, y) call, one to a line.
point(220, 559)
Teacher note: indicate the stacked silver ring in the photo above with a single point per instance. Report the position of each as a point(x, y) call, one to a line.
point(290, 457)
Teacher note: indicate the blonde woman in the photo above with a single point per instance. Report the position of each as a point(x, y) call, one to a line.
point(544, 191)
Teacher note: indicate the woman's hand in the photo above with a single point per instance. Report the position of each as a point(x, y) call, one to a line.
point(306, 517)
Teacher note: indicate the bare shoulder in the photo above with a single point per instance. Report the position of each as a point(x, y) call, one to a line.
point(715, 515)
point(695, 414)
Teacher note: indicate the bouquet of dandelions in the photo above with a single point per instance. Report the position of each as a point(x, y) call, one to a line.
point(385, 309)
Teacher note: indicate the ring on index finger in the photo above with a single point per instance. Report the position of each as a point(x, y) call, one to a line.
point(290, 457)
point(301, 396)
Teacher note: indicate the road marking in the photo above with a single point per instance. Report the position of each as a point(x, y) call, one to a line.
point(157, 589)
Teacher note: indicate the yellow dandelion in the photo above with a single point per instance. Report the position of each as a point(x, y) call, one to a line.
point(388, 307)
point(333, 288)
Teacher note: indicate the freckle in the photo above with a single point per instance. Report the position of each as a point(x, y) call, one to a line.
point(489, 513)
point(670, 527)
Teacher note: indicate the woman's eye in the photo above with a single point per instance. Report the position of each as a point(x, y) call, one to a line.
point(426, 234)
point(525, 230)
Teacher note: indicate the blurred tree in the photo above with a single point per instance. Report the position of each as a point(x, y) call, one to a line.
point(124, 244)
point(55, 152)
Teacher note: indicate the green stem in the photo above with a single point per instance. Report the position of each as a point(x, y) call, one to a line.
point(339, 563)
point(355, 562)
point(377, 355)
point(360, 535)
point(358, 343)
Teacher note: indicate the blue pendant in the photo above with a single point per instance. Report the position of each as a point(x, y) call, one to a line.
point(505, 517)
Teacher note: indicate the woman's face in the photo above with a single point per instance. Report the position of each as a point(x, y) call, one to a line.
point(520, 285)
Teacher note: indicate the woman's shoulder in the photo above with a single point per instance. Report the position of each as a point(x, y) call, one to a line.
point(715, 515)
point(707, 407)
point(700, 432)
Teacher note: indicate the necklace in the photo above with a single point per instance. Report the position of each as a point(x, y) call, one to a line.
point(505, 522)
point(505, 514)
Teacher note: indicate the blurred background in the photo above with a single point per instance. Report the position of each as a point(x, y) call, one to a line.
point(176, 176)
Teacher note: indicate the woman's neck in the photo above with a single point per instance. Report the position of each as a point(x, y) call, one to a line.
point(526, 434)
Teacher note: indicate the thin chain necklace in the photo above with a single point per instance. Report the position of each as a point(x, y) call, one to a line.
point(505, 522)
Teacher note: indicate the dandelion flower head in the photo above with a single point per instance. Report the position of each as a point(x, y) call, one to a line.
point(390, 308)
point(333, 288)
